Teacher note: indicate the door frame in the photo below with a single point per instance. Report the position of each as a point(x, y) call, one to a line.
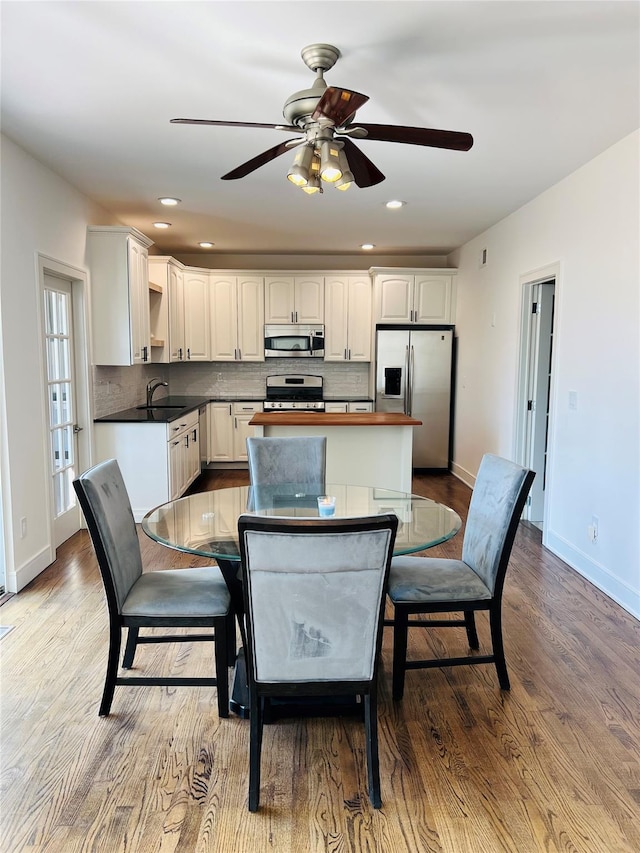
point(527, 281)
point(82, 361)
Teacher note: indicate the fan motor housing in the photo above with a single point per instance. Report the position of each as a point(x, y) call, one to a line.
point(301, 105)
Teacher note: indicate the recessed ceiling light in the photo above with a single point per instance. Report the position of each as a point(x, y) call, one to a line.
point(205, 245)
point(170, 202)
point(395, 204)
point(162, 225)
point(368, 246)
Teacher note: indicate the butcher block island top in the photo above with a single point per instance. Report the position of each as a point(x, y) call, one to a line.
point(363, 448)
point(350, 419)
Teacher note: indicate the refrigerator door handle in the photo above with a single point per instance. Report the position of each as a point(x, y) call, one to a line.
point(407, 382)
point(411, 367)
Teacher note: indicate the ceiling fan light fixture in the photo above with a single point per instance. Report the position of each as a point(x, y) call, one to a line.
point(330, 170)
point(300, 170)
point(313, 185)
point(347, 178)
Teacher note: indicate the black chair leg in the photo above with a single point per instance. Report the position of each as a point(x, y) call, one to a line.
point(130, 648)
point(115, 639)
point(400, 631)
point(495, 621)
point(373, 759)
point(255, 751)
point(230, 630)
point(470, 625)
point(222, 662)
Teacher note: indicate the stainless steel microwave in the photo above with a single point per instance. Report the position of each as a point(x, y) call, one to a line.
point(293, 341)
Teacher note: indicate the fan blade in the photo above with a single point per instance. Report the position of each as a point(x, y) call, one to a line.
point(338, 105)
point(259, 160)
point(365, 173)
point(288, 127)
point(416, 136)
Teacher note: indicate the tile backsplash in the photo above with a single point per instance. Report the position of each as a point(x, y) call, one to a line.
point(118, 388)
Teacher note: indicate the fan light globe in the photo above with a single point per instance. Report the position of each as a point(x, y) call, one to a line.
point(330, 162)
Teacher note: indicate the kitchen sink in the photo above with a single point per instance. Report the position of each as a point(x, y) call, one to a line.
point(159, 406)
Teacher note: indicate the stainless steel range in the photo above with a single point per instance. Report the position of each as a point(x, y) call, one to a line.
point(294, 392)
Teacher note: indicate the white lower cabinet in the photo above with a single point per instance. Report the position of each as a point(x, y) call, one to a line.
point(159, 461)
point(337, 408)
point(183, 453)
point(229, 429)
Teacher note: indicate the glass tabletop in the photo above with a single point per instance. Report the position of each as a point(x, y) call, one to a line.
point(205, 523)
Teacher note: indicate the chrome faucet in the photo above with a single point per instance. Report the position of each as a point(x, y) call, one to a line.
point(152, 384)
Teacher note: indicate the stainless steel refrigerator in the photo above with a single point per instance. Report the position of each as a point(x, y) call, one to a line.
point(414, 375)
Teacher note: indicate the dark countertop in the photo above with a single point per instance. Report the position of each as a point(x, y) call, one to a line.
point(182, 405)
point(179, 406)
point(340, 398)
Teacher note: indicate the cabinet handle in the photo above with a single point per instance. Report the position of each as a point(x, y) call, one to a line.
point(292, 320)
point(174, 443)
point(180, 353)
point(296, 316)
point(239, 354)
point(144, 354)
point(349, 355)
point(188, 352)
point(345, 355)
point(229, 409)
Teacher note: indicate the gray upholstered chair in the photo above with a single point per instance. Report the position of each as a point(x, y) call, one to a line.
point(425, 585)
point(297, 459)
point(314, 593)
point(191, 598)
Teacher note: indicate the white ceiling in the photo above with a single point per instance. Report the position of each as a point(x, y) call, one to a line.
point(89, 87)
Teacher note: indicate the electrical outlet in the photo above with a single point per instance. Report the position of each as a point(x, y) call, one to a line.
point(593, 529)
point(23, 527)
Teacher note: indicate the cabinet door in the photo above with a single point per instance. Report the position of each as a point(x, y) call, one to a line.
point(176, 314)
point(279, 300)
point(139, 300)
point(196, 316)
point(360, 407)
point(220, 432)
point(241, 432)
point(250, 319)
point(192, 459)
point(395, 298)
point(175, 449)
point(359, 314)
point(432, 299)
point(224, 318)
point(335, 408)
point(309, 300)
point(336, 302)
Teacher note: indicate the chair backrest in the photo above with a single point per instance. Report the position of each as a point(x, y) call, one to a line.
point(314, 595)
point(296, 459)
point(498, 498)
point(105, 503)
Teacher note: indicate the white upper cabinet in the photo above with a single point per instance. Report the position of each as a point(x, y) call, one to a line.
point(118, 260)
point(196, 315)
point(420, 296)
point(177, 343)
point(237, 318)
point(294, 299)
point(348, 318)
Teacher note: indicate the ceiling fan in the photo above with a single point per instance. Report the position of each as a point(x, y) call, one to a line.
point(323, 118)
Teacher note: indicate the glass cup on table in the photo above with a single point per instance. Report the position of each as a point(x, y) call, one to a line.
point(326, 505)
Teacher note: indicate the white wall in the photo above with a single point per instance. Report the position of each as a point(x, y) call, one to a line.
point(589, 225)
point(41, 213)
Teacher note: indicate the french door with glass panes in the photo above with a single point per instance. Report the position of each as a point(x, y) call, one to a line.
point(59, 367)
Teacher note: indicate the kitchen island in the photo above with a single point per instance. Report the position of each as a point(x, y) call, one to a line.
point(364, 448)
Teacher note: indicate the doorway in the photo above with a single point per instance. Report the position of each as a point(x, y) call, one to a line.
point(65, 383)
point(535, 384)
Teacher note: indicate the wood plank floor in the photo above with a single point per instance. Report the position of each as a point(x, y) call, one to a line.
point(553, 765)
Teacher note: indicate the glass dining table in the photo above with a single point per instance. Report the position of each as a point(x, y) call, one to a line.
point(206, 524)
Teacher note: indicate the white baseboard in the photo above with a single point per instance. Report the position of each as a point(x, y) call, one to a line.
point(462, 474)
point(23, 575)
point(601, 577)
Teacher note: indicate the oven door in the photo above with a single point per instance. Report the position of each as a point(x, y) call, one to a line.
point(293, 342)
